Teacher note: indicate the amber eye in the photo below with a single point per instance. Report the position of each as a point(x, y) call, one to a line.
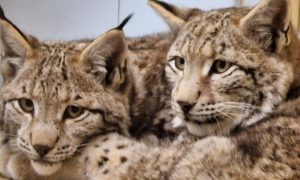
point(26, 105)
point(73, 112)
point(179, 63)
point(221, 66)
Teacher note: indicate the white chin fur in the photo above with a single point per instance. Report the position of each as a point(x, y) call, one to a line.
point(208, 129)
point(45, 169)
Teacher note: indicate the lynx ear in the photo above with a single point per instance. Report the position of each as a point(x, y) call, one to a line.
point(14, 48)
point(174, 16)
point(268, 24)
point(105, 57)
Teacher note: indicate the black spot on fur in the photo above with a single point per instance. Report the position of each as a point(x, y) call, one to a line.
point(106, 171)
point(23, 89)
point(105, 139)
point(121, 146)
point(102, 161)
point(64, 74)
point(250, 148)
point(5, 140)
point(65, 147)
point(86, 159)
point(78, 97)
point(104, 158)
point(123, 159)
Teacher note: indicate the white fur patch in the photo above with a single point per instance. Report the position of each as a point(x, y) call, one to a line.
point(45, 169)
point(206, 68)
point(177, 122)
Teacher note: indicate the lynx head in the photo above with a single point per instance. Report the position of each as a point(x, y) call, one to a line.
point(230, 67)
point(60, 94)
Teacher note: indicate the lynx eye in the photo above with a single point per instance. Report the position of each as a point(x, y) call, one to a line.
point(179, 63)
point(221, 66)
point(73, 112)
point(26, 105)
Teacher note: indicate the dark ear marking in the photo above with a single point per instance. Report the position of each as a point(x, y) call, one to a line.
point(3, 17)
point(124, 22)
point(165, 5)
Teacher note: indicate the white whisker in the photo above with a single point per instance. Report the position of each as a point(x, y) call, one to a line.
point(82, 145)
point(218, 122)
point(11, 135)
point(225, 114)
point(240, 104)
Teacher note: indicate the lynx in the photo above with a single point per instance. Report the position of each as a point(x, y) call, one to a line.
point(57, 95)
point(231, 68)
point(267, 150)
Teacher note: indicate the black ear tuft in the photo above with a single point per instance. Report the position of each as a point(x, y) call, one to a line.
point(2, 15)
point(165, 5)
point(124, 22)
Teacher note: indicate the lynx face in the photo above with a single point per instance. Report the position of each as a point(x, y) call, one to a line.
point(228, 68)
point(61, 94)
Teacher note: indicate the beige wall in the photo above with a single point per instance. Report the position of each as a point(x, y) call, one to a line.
point(295, 7)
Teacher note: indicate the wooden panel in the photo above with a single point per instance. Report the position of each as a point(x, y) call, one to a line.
point(295, 12)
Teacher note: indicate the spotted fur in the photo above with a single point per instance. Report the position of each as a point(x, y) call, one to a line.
point(269, 150)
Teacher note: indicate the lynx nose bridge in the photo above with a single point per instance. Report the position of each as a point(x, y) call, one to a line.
point(43, 139)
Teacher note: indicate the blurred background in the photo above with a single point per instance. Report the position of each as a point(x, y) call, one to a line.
point(77, 19)
point(81, 19)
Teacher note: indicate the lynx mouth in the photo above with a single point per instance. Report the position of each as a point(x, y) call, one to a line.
point(45, 168)
point(206, 121)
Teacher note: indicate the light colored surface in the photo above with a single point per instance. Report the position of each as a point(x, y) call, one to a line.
point(62, 19)
point(250, 2)
point(146, 21)
point(79, 19)
point(67, 20)
point(295, 15)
